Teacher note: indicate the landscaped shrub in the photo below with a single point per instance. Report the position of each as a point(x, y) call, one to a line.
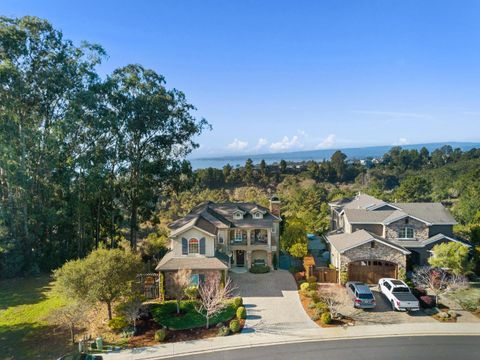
point(310, 293)
point(314, 296)
point(343, 277)
point(160, 335)
point(234, 326)
point(241, 313)
point(223, 331)
point(452, 314)
point(427, 301)
point(118, 323)
point(418, 292)
point(311, 305)
point(402, 274)
point(470, 305)
point(166, 315)
point(238, 301)
point(304, 287)
point(326, 318)
point(312, 279)
point(443, 315)
point(312, 286)
point(259, 269)
point(191, 292)
point(321, 307)
point(315, 317)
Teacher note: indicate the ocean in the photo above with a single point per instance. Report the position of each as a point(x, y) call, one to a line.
point(317, 155)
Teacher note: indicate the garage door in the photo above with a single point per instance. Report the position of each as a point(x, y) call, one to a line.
point(370, 271)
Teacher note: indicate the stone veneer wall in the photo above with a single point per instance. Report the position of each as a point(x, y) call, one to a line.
point(421, 229)
point(208, 274)
point(379, 252)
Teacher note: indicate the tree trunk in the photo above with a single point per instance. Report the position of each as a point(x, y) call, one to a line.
point(208, 322)
point(178, 307)
point(72, 333)
point(133, 226)
point(109, 308)
point(97, 227)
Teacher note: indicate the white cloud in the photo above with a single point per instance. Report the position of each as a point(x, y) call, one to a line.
point(238, 145)
point(327, 142)
point(401, 141)
point(261, 143)
point(286, 144)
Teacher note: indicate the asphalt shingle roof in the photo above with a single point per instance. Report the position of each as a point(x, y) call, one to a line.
point(345, 241)
point(172, 262)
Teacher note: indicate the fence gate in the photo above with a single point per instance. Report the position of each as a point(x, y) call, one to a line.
point(148, 285)
point(326, 275)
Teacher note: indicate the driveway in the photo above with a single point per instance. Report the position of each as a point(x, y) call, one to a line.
point(381, 314)
point(272, 303)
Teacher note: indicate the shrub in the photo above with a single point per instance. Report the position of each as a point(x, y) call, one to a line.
point(315, 317)
point(343, 277)
point(314, 296)
point(418, 292)
point(191, 292)
point(118, 323)
point(312, 279)
point(160, 335)
point(402, 274)
point(234, 326)
point(321, 307)
point(304, 287)
point(241, 313)
point(238, 301)
point(311, 294)
point(427, 301)
point(259, 269)
point(452, 314)
point(443, 315)
point(312, 286)
point(311, 305)
point(326, 318)
point(469, 305)
point(223, 331)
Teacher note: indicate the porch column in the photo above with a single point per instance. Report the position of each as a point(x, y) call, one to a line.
point(249, 237)
point(269, 259)
point(249, 259)
point(269, 239)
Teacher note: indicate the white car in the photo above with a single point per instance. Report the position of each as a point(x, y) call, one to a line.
point(399, 295)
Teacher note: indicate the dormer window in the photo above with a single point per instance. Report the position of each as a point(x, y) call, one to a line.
point(258, 215)
point(238, 215)
point(193, 246)
point(406, 233)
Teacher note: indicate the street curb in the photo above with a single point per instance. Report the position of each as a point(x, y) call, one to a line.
point(297, 341)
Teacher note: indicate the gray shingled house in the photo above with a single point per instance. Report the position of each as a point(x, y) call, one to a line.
point(371, 238)
point(213, 237)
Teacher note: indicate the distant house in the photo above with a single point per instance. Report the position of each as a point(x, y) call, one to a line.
point(371, 238)
point(216, 236)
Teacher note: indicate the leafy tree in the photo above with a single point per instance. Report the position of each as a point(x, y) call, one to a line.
point(249, 171)
point(414, 189)
point(454, 256)
point(338, 163)
point(180, 282)
point(294, 233)
point(103, 276)
point(298, 250)
point(71, 316)
point(283, 166)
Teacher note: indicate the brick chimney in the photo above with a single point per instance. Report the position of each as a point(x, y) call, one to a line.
point(275, 205)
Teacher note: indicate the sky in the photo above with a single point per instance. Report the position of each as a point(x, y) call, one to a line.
point(276, 76)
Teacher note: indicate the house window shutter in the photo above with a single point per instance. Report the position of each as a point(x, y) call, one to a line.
point(202, 246)
point(184, 246)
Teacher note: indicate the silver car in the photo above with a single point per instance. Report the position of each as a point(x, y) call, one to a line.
point(361, 295)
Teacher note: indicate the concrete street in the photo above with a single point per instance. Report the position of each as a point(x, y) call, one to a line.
point(413, 348)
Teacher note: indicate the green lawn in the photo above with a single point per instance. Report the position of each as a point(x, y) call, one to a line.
point(469, 298)
point(166, 315)
point(24, 333)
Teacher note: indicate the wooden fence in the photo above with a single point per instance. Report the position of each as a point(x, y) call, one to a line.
point(322, 273)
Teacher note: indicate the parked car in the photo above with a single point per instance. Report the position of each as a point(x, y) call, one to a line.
point(361, 295)
point(77, 356)
point(399, 295)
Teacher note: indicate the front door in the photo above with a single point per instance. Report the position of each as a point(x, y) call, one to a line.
point(240, 260)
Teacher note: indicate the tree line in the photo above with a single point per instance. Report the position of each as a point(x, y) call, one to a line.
point(82, 157)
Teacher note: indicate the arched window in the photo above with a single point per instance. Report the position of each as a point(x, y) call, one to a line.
point(193, 247)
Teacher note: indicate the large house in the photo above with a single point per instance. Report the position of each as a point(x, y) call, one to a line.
point(216, 236)
point(371, 238)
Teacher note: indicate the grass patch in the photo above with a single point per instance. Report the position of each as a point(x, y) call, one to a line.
point(166, 315)
point(24, 333)
point(469, 298)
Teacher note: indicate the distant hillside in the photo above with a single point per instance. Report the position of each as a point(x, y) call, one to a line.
point(319, 155)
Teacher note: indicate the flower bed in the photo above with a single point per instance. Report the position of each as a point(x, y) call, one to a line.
point(166, 315)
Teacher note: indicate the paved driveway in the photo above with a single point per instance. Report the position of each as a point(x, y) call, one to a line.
point(381, 314)
point(272, 303)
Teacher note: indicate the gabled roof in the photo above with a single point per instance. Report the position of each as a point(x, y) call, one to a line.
point(419, 243)
point(363, 201)
point(210, 216)
point(362, 216)
point(434, 213)
point(344, 242)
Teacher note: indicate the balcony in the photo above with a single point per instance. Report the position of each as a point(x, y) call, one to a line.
point(238, 241)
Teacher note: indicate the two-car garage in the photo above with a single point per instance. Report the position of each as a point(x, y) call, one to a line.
point(370, 271)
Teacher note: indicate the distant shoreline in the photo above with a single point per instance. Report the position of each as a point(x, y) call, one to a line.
point(358, 153)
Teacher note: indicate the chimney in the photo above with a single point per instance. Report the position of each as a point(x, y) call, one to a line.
point(275, 205)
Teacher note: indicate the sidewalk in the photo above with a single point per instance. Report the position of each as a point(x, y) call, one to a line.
point(252, 339)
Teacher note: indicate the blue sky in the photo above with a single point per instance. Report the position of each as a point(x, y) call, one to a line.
point(276, 75)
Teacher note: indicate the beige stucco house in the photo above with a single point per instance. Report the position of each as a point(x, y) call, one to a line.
point(216, 236)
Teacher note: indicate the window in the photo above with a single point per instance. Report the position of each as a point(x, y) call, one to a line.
point(238, 215)
point(372, 244)
point(193, 247)
point(257, 215)
point(220, 239)
point(194, 279)
point(406, 233)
